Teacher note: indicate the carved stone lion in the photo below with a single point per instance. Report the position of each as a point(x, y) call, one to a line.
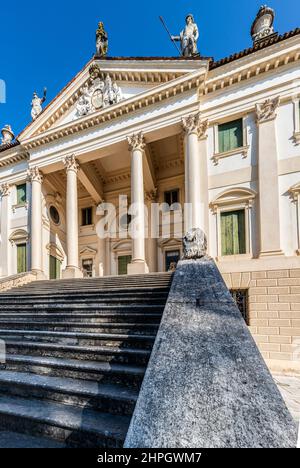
point(194, 244)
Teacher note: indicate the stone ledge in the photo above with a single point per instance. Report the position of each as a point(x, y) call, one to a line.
point(206, 384)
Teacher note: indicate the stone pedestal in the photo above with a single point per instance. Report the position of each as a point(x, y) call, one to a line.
point(207, 385)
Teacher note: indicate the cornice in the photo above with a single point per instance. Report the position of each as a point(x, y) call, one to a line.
point(252, 66)
point(150, 97)
point(12, 156)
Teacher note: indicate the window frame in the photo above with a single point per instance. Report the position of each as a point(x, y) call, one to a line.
point(242, 150)
point(296, 105)
point(82, 224)
point(170, 192)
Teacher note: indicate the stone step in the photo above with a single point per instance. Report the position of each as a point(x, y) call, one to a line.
point(73, 425)
point(93, 318)
point(94, 353)
point(106, 397)
point(96, 302)
point(87, 295)
point(105, 327)
point(104, 372)
point(18, 440)
point(80, 339)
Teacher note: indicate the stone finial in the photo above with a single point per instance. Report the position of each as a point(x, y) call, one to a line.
point(136, 142)
point(34, 175)
point(194, 124)
point(267, 110)
point(262, 26)
point(5, 190)
point(7, 135)
point(101, 41)
point(71, 163)
point(194, 244)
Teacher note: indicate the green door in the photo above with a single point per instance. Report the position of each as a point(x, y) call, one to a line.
point(21, 258)
point(122, 264)
point(54, 268)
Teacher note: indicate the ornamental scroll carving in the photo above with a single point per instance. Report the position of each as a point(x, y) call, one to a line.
point(97, 93)
point(71, 163)
point(267, 110)
point(136, 142)
point(194, 124)
point(35, 175)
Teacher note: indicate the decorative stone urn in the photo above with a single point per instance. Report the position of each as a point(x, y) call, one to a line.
point(262, 26)
point(7, 135)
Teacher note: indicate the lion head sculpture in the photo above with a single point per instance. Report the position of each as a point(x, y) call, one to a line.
point(194, 244)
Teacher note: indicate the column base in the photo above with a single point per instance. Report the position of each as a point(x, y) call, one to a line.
point(137, 268)
point(271, 253)
point(72, 272)
point(40, 275)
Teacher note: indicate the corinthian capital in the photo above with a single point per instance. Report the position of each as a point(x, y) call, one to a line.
point(136, 142)
point(194, 124)
point(5, 190)
point(35, 175)
point(267, 110)
point(71, 163)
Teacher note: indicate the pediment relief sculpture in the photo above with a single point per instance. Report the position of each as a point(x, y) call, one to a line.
point(97, 93)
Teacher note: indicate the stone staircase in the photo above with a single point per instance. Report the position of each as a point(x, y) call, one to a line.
point(77, 351)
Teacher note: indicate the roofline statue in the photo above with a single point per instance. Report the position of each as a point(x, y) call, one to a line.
point(101, 41)
point(36, 104)
point(188, 37)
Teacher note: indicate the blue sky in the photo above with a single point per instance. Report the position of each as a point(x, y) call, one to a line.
point(46, 45)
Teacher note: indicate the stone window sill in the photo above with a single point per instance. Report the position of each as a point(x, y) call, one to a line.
point(243, 150)
point(297, 138)
point(20, 205)
point(231, 258)
point(88, 227)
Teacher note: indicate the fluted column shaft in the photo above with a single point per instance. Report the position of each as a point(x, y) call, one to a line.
point(36, 219)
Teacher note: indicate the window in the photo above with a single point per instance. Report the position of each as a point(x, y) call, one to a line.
point(125, 221)
point(54, 215)
point(172, 197)
point(230, 135)
point(21, 194)
point(241, 298)
point(21, 258)
point(172, 258)
point(233, 234)
point(87, 266)
point(54, 267)
point(123, 261)
point(87, 216)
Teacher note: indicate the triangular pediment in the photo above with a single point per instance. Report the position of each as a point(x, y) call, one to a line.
point(104, 83)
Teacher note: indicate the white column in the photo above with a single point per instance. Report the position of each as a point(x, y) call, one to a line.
point(152, 241)
point(72, 270)
point(5, 190)
point(195, 207)
point(268, 179)
point(36, 221)
point(138, 264)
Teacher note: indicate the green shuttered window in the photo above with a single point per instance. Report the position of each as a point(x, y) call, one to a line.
point(21, 194)
point(122, 264)
point(233, 233)
point(54, 267)
point(230, 135)
point(21, 258)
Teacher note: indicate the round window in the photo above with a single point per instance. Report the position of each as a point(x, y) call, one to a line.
point(54, 214)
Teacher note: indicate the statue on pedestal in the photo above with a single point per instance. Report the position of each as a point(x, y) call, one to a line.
point(101, 41)
point(36, 104)
point(188, 38)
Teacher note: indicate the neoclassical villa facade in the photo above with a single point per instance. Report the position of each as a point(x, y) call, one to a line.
point(219, 138)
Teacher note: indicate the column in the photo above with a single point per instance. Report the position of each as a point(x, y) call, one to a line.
point(136, 147)
point(196, 202)
point(36, 179)
point(72, 270)
point(151, 241)
point(5, 190)
point(268, 179)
